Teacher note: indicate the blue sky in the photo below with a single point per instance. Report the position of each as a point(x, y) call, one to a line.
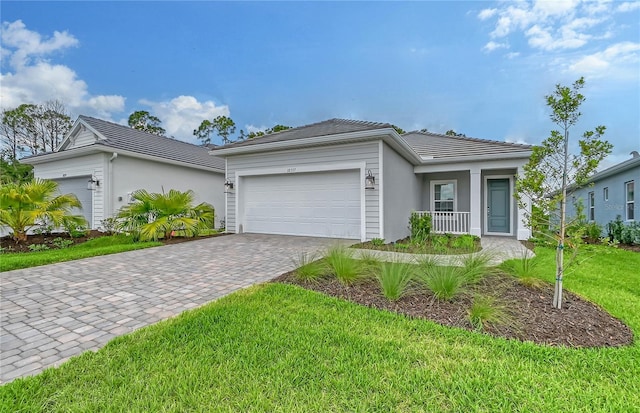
point(480, 68)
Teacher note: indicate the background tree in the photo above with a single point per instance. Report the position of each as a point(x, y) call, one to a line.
point(26, 205)
point(268, 131)
point(144, 121)
point(553, 172)
point(12, 171)
point(32, 129)
point(223, 126)
point(451, 132)
point(399, 129)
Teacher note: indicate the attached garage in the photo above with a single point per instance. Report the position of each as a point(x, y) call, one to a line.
point(78, 186)
point(319, 204)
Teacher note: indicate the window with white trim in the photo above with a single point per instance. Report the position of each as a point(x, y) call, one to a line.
point(592, 206)
point(444, 196)
point(605, 193)
point(629, 201)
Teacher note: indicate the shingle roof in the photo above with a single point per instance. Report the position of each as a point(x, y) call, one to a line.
point(128, 139)
point(427, 144)
point(324, 128)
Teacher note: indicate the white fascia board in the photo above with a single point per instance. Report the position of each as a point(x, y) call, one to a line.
point(90, 149)
point(466, 163)
point(389, 135)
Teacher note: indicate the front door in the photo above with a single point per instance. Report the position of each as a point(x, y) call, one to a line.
point(498, 211)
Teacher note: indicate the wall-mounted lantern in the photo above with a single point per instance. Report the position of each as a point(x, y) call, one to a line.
point(228, 186)
point(369, 180)
point(92, 184)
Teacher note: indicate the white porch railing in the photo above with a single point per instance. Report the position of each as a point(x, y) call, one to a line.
point(448, 222)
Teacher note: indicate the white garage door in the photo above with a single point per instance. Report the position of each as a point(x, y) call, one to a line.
point(78, 187)
point(319, 204)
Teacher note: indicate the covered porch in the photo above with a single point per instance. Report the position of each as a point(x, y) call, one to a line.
point(474, 198)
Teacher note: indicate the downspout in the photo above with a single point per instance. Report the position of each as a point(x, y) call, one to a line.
point(111, 200)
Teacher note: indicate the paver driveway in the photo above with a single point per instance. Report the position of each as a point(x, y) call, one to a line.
point(54, 312)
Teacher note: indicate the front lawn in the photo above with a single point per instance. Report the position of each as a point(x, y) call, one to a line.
point(91, 248)
point(279, 347)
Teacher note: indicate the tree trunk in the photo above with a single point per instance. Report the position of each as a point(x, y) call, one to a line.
point(557, 292)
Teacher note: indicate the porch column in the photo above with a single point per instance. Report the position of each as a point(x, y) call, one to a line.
point(475, 198)
point(524, 231)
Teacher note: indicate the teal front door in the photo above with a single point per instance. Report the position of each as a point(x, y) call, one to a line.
point(498, 211)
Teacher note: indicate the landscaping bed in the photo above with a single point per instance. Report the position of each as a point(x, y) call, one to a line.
point(532, 317)
point(446, 244)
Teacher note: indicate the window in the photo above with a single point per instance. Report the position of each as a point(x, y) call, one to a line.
point(444, 195)
point(605, 193)
point(592, 206)
point(629, 201)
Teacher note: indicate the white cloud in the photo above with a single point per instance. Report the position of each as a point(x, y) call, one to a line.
point(554, 7)
point(618, 55)
point(252, 128)
point(628, 6)
point(487, 13)
point(181, 115)
point(491, 46)
point(33, 79)
point(512, 55)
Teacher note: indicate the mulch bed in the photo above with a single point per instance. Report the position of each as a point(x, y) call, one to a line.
point(579, 323)
point(406, 246)
point(10, 245)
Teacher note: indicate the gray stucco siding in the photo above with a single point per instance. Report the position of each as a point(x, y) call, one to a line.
point(606, 211)
point(402, 194)
point(462, 188)
point(353, 155)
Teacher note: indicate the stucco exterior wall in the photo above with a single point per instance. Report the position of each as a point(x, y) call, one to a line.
point(129, 174)
point(606, 210)
point(356, 154)
point(402, 193)
point(93, 165)
point(462, 188)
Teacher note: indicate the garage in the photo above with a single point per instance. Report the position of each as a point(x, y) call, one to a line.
point(78, 187)
point(317, 204)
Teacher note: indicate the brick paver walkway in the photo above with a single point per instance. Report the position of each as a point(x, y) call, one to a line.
point(53, 312)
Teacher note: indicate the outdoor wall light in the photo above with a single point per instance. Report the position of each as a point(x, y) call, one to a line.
point(92, 184)
point(228, 185)
point(369, 180)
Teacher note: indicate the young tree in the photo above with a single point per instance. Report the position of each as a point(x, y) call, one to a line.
point(553, 172)
point(25, 205)
point(144, 121)
point(223, 126)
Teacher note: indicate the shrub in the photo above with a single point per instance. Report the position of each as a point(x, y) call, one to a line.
point(61, 243)
point(74, 230)
point(615, 228)
point(38, 247)
point(487, 310)
point(440, 243)
point(378, 242)
point(524, 270)
point(109, 225)
point(475, 267)
point(631, 234)
point(592, 230)
point(395, 278)
point(445, 283)
point(369, 260)
point(343, 265)
point(308, 267)
point(420, 226)
point(465, 242)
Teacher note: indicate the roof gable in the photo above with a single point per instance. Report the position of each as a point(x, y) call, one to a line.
point(91, 131)
point(435, 146)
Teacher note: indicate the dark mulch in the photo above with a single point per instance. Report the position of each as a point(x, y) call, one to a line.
point(9, 245)
point(579, 323)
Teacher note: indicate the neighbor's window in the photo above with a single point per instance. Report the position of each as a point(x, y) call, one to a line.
point(444, 195)
point(592, 206)
point(605, 193)
point(629, 199)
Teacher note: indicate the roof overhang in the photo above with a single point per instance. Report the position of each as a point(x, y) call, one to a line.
point(98, 148)
point(490, 161)
point(621, 167)
point(388, 135)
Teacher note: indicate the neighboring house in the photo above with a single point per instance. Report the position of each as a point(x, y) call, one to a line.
point(610, 193)
point(352, 179)
point(102, 163)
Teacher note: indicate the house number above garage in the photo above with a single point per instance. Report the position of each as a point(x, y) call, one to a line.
point(291, 170)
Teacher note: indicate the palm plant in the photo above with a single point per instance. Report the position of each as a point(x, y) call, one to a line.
point(156, 215)
point(26, 205)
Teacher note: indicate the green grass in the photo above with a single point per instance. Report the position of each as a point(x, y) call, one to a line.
point(395, 279)
point(97, 246)
point(487, 310)
point(279, 348)
point(343, 265)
